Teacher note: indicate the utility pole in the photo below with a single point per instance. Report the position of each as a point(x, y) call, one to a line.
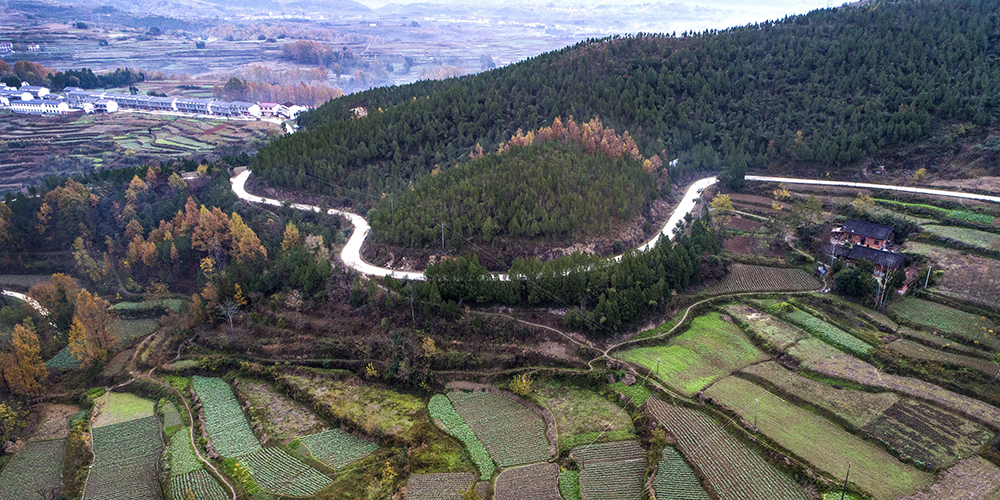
point(755, 402)
point(926, 280)
point(442, 237)
point(657, 367)
point(844, 490)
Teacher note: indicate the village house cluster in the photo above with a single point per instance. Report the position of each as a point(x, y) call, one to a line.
point(29, 99)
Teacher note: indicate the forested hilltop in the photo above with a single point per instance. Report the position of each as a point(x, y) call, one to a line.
point(830, 87)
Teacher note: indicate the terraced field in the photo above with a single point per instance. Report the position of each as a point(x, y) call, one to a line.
point(774, 332)
point(829, 333)
point(511, 433)
point(972, 237)
point(443, 412)
point(968, 328)
point(537, 482)
point(225, 423)
point(917, 351)
point(199, 483)
point(337, 448)
point(38, 466)
point(583, 416)
point(279, 473)
point(731, 470)
point(747, 278)
point(818, 441)
point(125, 461)
point(708, 351)
point(611, 471)
point(438, 486)
point(675, 480)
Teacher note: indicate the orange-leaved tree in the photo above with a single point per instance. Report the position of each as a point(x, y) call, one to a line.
point(91, 339)
point(23, 368)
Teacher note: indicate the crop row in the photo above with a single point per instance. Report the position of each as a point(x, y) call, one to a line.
point(37, 466)
point(224, 420)
point(829, 333)
point(438, 486)
point(972, 329)
point(611, 471)
point(537, 482)
point(733, 471)
point(337, 448)
point(675, 479)
point(747, 278)
point(279, 473)
point(125, 461)
point(510, 432)
point(180, 457)
point(440, 408)
point(198, 484)
point(609, 452)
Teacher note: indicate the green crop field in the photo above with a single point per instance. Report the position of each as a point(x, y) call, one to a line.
point(611, 471)
point(512, 434)
point(920, 352)
point(225, 423)
point(125, 461)
point(337, 448)
point(171, 304)
point(438, 486)
point(973, 237)
point(583, 416)
point(63, 360)
point(747, 278)
point(128, 330)
point(369, 406)
point(171, 418)
point(569, 485)
point(675, 480)
point(928, 435)
point(38, 466)
point(440, 408)
point(857, 408)
point(708, 351)
point(730, 468)
point(969, 328)
point(279, 473)
point(200, 483)
point(775, 333)
point(537, 482)
point(636, 393)
point(818, 441)
point(829, 333)
point(118, 407)
point(179, 457)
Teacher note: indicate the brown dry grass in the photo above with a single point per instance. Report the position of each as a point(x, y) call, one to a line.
point(971, 479)
point(55, 424)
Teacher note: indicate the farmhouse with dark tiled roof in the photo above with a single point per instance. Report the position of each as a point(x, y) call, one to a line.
point(867, 234)
point(880, 258)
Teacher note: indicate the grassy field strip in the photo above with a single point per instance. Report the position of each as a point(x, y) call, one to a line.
point(675, 480)
point(974, 478)
point(978, 239)
point(913, 350)
point(225, 423)
point(569, 485)
point(441, 409)
point(120, 407)
point(537, 482)
point(438, 486)
point(970, 328)
point(38, 466)
point(829, 333)
point(941, 342)
point(847, 367)
point(611, 471)
point(511, 433)
point(776, 334)
point(857, 408)
point(818, 441)
point(928, 435)
point(179, 457)
point(583, 416)
point(730, 469)
point(125, 461)
point(199, 483)
point(747, 278)
point(708, 351)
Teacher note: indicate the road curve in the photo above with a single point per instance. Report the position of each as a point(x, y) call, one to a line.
point(351, 254)
point(30, 301)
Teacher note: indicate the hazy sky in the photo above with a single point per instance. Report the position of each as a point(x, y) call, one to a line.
point(701, 13)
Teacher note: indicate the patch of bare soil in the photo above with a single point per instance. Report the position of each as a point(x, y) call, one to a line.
point(974, 478)
point(55, 423)
point(282, 417)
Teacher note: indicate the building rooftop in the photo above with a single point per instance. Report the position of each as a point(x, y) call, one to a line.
point(877, 257)
point(867, 229)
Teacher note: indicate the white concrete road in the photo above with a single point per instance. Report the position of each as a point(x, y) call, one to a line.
point(30, 301)
point(352, 251)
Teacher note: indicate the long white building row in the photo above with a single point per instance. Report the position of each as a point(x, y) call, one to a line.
point(38, 100)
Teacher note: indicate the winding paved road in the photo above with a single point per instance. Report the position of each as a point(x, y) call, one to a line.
point(352, 251)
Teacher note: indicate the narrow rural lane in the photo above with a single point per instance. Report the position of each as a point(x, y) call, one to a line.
point(352, 251)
